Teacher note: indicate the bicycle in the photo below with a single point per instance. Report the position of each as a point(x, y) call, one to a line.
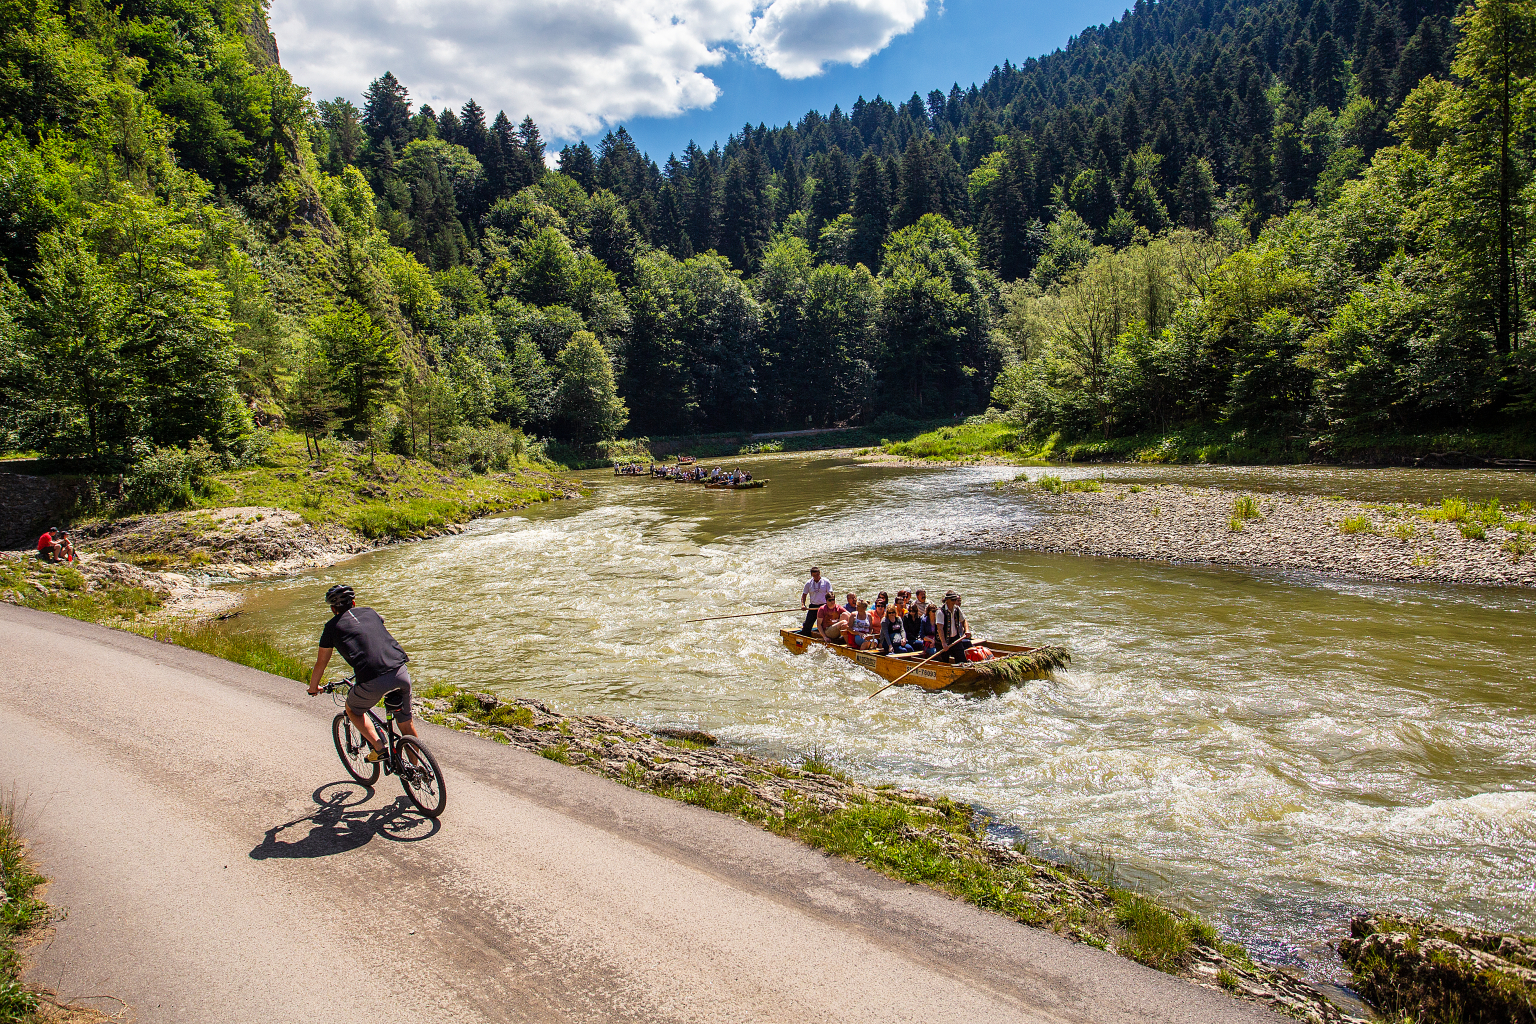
point(406, 756)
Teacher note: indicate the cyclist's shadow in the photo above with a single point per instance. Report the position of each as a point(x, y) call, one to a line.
point(336, 828)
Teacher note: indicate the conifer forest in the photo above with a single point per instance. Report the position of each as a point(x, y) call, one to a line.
point(1292, 217)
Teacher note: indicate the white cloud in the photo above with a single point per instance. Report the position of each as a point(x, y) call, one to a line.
point(798, 38)
point(575, 65)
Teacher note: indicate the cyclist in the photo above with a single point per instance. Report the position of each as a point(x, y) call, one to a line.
point(377, 660)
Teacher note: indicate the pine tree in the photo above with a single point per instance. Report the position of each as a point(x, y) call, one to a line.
point(533, 145)
point(834, 188)
point(577, 163)
point(387, 113)
point(473, 135)
point(746, 216)
point(871, 212)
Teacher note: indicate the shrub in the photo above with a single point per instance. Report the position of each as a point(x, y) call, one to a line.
point(1472, 530)
point(1246, 507)
point(1050, 483)
point(1517, 545)
point(1357, 524)
point(483, 449)
point(1453, 510)
point(1083, 485)
point(1403, 531)
point(1235, 524)
point(168, 478)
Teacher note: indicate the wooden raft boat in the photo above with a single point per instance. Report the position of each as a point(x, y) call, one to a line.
point(747, 486)
point(1013, 663)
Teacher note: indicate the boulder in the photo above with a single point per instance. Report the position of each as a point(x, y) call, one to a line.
point(1442, 973)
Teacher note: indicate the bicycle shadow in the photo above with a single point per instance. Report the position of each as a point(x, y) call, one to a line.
point(336, 827)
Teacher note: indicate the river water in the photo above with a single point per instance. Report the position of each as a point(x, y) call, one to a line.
point(1272, 750)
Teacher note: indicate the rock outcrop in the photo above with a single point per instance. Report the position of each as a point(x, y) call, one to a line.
point(1442, 973)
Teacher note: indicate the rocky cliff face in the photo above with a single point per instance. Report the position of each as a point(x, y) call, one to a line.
point(1442, 973)
point(259, 38)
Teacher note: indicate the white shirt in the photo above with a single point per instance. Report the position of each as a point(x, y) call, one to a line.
point(818, 591)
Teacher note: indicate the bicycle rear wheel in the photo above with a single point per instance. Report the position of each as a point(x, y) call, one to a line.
point(353, 751)
point(420, 777)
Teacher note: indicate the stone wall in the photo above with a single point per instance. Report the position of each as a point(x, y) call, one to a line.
point(31, 504)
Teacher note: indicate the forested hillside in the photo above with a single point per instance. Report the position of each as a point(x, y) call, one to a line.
point(1294, 216)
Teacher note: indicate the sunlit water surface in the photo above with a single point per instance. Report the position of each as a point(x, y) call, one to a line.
point(1272, 750)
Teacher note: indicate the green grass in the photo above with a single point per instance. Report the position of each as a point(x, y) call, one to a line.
point(61, 589)
point(20, 912)
point(389, 496)
point(1246, 507)
point(1472, 531)
point(560, 752)
point(1235, 524)
point(1357, 524)
point(1155, 936)
point(253, 650)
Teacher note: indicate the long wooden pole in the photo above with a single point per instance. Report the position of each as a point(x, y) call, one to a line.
point(745, 615)
point(914, 668)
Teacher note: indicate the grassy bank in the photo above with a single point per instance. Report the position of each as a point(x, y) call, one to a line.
point(999, 437)
point(66, 590)
point(20, 912)
point(377, 496)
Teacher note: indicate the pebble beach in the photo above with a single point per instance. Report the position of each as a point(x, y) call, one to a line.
point(1475, 546)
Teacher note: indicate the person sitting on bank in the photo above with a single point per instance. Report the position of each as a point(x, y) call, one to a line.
point(817, 592)
point(47, 548)
point(64, 547)
point(831, 622)
point(954, 634)
point(893, 635)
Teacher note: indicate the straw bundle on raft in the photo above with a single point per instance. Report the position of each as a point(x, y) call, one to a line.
point(1016, 668)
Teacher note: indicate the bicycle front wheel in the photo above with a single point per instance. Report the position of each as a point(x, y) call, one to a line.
point(420, 777)
point(353, 751)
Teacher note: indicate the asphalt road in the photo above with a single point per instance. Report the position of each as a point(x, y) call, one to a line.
point(216, 865)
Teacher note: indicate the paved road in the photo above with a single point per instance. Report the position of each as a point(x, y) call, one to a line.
point(216, 866)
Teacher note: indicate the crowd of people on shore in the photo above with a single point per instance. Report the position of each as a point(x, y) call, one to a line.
point(55, 546)
point(908, 625)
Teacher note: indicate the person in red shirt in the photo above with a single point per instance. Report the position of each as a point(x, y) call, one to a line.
point(47, 550)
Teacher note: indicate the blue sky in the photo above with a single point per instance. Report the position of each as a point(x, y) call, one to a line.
point(961, 43)
point(669, 70)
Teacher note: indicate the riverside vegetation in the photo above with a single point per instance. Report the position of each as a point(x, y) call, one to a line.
point(21, 913)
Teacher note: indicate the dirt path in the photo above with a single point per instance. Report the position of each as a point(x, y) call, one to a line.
point(214, 867)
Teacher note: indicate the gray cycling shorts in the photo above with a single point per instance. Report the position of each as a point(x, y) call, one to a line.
point(395, 685)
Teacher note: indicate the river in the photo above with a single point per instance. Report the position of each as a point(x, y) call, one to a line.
point(1272, 750)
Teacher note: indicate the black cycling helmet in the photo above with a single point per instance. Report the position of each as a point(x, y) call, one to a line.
point(339, 596)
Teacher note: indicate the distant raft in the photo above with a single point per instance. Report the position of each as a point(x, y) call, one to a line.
point(1013, 664)
point(745, 485)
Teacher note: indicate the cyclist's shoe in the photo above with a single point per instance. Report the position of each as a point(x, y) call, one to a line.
point(374, 756)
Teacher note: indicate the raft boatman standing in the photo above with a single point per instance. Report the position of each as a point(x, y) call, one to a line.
point(954, 637)
point(817, 592)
